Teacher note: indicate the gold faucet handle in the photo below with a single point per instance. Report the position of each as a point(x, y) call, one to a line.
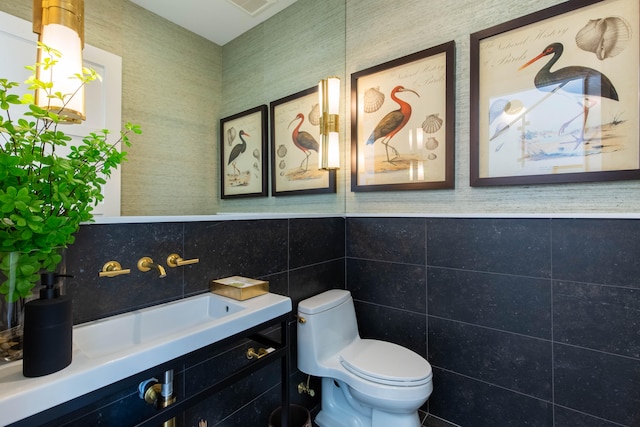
point(113, 269)
point(175, 260)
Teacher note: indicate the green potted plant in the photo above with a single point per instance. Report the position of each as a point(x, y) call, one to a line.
point(45, 195)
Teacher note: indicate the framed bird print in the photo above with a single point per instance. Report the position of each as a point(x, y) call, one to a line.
point(402, 123)
point(243, 150)
point(295, 133)
point(554, 96)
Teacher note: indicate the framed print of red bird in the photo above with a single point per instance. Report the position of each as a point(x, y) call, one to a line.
point(402, 123)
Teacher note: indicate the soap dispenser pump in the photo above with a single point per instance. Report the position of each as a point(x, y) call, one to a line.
point(47, 335)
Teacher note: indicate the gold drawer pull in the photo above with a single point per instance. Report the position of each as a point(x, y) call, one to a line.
point(262, 352)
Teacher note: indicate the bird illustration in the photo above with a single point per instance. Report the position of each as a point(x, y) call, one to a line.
point(591, 84)
point(237, 150)
point(304, 141)
point(392, 122)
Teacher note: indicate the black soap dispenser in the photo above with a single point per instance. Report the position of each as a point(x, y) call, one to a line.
point(47, 335)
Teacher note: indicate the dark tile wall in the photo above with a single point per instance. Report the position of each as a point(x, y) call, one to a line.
point(525, 321)
point(299, 257)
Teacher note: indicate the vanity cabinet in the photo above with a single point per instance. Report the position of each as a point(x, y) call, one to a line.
point(198, 375)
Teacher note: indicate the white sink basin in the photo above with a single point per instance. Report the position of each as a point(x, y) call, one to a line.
point(114, 348)
point(118, 333)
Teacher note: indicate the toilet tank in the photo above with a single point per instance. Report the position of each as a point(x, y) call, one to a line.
point(329, 325)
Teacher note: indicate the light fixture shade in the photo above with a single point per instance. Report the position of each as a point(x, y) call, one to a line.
point(329, 101)
point(333, 90)
point(60, 25)
point(332, 154)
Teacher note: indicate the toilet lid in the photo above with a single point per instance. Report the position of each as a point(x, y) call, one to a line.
point(385, 363)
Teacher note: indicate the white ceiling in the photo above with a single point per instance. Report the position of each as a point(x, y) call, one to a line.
point(216, 20)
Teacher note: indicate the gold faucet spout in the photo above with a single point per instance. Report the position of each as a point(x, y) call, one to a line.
point(161, 270)
point(146, 264)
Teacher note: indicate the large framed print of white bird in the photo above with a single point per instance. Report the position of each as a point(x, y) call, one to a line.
point(402, 123)
point(295, 136)
point(243, 152)
point(554, 96)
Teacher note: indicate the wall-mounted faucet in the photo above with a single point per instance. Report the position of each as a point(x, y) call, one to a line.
point(146, 264)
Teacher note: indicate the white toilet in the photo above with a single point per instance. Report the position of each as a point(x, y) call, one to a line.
point(365, 383)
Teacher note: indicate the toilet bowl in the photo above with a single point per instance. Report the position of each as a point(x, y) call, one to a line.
point(365, 383)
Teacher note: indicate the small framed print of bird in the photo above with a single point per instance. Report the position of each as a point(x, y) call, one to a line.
point(243, 152)
point(554, 96)
point(402, 123)
point(295, 136)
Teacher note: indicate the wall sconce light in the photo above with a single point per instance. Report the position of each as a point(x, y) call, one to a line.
point(60, 26)
point(329, 101)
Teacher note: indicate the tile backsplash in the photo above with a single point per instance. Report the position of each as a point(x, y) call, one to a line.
point(525, 321)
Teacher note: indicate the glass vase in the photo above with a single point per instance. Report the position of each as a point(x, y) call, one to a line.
point(11, 308)
point(18, 275)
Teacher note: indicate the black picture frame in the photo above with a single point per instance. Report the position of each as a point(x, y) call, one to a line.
point(243, 172)
point(425, 155)
point(526, 126)
point(294, 168)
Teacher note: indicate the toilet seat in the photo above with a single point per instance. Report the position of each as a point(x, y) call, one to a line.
point(385, 363)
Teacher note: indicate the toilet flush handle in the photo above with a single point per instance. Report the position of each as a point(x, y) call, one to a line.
point(301, 320)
